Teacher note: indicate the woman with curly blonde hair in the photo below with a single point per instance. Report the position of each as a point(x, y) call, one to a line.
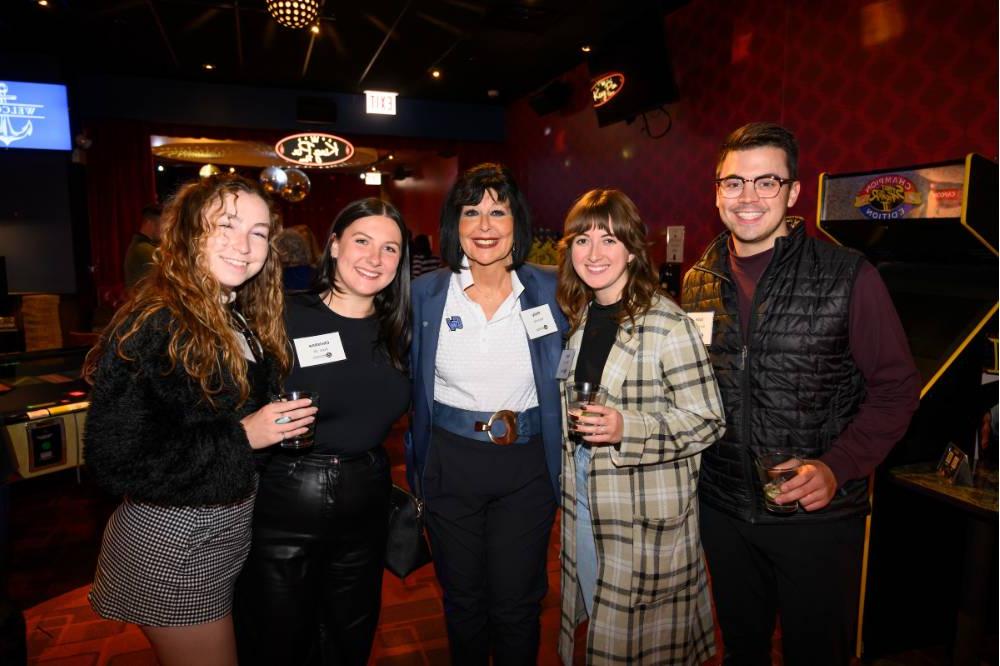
point(182, 380)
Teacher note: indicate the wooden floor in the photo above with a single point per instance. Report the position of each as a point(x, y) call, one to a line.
point(55, 530)
point(56, 525)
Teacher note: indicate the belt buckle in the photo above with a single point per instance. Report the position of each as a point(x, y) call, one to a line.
point(508, 418)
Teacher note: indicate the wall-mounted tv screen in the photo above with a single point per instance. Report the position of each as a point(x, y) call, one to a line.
point(630, 70)
point(34, 115)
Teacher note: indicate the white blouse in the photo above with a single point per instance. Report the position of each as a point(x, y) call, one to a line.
point(481, 365)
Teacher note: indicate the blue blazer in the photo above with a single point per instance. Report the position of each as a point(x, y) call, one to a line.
point(428, 298)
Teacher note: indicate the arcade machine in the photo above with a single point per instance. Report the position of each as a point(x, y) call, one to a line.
point(43, 406)
point(931, 231)
point(42, 409)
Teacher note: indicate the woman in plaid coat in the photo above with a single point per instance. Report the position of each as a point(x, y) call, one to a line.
point(631, 555)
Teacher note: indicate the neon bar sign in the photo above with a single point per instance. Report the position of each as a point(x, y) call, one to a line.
point(314, 149)
point(606, 87)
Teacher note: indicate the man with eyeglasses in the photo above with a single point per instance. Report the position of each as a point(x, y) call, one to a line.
point(811, 358)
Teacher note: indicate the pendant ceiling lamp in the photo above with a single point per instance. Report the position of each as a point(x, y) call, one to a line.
point(294, 13)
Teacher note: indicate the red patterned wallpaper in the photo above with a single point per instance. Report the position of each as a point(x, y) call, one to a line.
point(863, 85)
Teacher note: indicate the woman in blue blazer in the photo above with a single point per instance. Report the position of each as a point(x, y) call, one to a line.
point(484, 449)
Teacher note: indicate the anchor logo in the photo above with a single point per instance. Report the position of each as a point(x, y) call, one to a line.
point(8, 110)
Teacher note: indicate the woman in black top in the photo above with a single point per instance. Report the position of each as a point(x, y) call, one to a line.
point(180, 400)
point(311, 589)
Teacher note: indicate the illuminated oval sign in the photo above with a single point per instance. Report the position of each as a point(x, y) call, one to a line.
point(606, 87)
point(314, 149)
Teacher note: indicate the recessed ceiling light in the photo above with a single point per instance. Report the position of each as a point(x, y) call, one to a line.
point(585, 48)
point(43, 3)
point(159, 167)
point(391, 156)
point(208, 66)
point(314, 30)
point(436, 73)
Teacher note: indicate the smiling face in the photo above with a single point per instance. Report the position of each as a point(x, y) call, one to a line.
point(236, 248)
point(367, 253)
point(601, 261)
point(486, 231)
point(754, 222)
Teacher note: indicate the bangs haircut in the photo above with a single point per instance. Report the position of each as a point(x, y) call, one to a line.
point(613, 212)
point(469, 190)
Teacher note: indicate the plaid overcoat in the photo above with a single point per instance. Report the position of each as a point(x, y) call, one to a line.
point(652, 600)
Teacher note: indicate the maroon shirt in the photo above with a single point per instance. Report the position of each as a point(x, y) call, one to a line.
point(880, 350)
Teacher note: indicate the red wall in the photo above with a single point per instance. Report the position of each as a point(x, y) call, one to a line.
point(862, 84)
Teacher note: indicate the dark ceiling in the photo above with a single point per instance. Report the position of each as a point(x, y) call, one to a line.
point(511, 47)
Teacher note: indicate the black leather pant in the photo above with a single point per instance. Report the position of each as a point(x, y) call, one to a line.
point(310, 592)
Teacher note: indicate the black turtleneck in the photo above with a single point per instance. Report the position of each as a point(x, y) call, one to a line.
point(598, 336)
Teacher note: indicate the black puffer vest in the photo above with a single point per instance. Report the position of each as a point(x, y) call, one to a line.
point(794, 385)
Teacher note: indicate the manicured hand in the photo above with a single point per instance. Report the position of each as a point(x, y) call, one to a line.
point(813, 487)
point(277, 421)
point(599, 424)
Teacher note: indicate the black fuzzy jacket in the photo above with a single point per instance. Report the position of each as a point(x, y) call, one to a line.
point(153, 437)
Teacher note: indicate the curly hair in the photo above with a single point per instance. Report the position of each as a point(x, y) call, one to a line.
point(613, 212)
point(181, 283)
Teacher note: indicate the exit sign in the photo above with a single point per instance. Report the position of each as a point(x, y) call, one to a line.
point(381, 102)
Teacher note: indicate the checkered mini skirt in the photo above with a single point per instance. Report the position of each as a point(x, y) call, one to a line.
point(166, 566)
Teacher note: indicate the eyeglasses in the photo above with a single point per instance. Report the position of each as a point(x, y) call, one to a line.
point(767, 187)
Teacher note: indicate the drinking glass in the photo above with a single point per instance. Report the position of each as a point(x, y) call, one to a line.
point(304, 440)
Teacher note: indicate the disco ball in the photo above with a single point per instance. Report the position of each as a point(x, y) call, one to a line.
point(273, 179)
point(293, 13)
point(209, 170)
point(297, 187)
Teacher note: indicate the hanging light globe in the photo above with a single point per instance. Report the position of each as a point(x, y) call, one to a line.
point(294, 13)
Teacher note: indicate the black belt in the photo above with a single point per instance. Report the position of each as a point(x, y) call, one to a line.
point(514, 427)
point(309, 456)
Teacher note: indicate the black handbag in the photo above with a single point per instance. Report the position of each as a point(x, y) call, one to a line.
point(406, 549)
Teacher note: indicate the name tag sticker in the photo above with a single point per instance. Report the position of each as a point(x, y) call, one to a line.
point(565, 364)
point(704, 322)
point(319, 349)
point(538, 321)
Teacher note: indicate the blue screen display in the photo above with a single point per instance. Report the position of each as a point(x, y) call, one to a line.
point(34, 115)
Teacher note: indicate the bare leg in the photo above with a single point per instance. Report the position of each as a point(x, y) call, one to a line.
point(209, 644)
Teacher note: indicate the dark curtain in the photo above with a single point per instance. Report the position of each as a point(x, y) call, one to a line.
point(120, 182)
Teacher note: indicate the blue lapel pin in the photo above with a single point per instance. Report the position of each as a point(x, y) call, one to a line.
point(454, 323)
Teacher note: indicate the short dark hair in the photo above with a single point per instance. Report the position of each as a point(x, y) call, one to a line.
point(757, 135)
point(469, 190)
point(152, 211)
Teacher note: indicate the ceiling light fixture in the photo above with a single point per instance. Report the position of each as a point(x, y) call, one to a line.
point(585, 48)
point(436, 73)
point(208, 66)
point(294, 13)
point(43, 3)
